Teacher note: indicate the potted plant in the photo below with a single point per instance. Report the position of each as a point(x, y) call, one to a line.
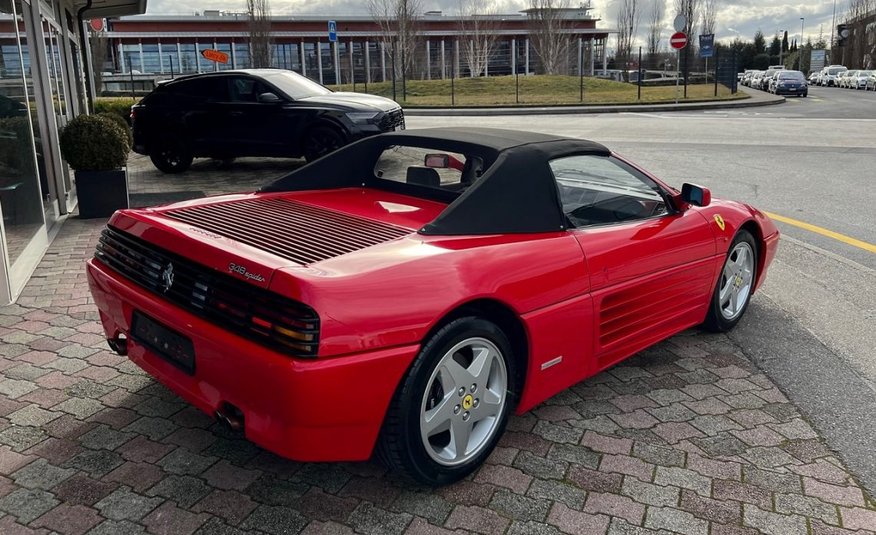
point(97, 149)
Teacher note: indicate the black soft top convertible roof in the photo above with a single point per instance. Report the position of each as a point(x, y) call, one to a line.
point(516, 194)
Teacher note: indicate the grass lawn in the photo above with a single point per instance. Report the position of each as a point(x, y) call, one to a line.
point(535, 90)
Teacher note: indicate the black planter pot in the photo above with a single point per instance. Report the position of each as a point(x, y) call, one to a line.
point(101, 192)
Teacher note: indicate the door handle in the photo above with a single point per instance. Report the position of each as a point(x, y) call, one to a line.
point(237, 114)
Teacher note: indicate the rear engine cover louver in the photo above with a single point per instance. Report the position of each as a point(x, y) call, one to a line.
point(293, 230)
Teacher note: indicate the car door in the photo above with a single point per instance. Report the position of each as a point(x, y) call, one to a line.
point(651, 267)
point(195, 106)
point(256, 128)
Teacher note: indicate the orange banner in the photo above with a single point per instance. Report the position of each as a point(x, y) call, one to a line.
point(215, 55)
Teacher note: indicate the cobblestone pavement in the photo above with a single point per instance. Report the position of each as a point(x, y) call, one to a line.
point(687, 437)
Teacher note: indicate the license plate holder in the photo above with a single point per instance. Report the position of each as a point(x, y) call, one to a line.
point(175, 348)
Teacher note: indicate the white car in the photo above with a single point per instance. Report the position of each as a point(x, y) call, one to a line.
point(859, 80)
point(829, 74)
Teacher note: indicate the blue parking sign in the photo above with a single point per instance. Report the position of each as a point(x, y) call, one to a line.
point(707, 45)
point(333, 31)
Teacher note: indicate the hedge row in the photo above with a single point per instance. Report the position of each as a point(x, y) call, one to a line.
point(120, 106)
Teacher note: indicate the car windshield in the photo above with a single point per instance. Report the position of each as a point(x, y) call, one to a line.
point(295, 85)
point(791, 76)
point(836, 71)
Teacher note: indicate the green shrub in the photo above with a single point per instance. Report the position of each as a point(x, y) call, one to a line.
point(121, 106)
point(94, 143)
point(123, 124)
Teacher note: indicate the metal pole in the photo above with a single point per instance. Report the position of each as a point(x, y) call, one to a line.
point(404, 75)
point(392, 66)
point(170, 56)
point(131, 72)
point(717, 57)
point(686, 57)
point(452, 88)
point(677, 71)
point(639, 75)
point(580, 71)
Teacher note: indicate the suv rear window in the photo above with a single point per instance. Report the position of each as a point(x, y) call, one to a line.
point(210, 88)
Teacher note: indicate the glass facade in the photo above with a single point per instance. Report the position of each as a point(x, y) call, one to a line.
point(20, 203)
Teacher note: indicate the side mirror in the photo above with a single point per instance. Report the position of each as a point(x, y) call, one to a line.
point(269, 98)
point(696, 195)
point(437, 161)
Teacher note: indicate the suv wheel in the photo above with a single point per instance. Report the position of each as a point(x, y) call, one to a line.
point(321, 140)
point(171, 156)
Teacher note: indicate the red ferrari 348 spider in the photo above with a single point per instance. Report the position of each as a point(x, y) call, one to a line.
point(408, 292)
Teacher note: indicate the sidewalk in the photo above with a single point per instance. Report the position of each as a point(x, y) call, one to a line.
point(687, 437)
point(756, 98)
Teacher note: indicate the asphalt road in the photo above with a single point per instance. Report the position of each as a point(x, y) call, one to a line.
point(812, 328)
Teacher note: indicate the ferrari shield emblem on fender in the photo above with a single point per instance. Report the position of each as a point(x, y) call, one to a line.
point(720, 221)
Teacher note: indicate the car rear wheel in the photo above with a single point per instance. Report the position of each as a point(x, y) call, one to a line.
point(452, 407)
point(171, 156)
point(735, 284)
point(321, 140)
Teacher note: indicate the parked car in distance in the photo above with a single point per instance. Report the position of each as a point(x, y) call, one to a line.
point(768, 78)
point(843, 79)
point(859, 81)
point(813, 78)
point(871, 81)
point(789, 83)
point(253, 112)
point(829, 74)
point(305, 315)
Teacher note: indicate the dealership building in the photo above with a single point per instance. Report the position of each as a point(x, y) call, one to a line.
point(42, 87)
point(46, 80)
point(171, 45)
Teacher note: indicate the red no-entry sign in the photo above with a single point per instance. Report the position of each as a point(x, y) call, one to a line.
point(678, 40)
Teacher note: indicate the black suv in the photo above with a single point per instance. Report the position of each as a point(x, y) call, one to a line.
point(253, 112)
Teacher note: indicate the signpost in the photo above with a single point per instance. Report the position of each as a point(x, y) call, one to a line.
point(707, 45)
point(215, 55)
point(680, 23)
point(677, 41)
point(333, 31)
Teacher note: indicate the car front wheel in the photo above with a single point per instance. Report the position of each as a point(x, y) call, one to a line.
point(735, 284)
point(321, 140)
point(451, 409)
point(171, 156)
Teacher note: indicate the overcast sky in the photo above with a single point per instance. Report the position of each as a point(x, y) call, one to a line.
point(735, 17)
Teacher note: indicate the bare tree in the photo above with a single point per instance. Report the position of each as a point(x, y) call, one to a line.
point(259, 14)
point(399, 30)
point(478, 25)
point(547, 35)
point(709, 16)
point(654, 29)
point(691, 11)
point(627, 28)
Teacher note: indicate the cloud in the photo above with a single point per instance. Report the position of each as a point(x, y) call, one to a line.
point(736, 18)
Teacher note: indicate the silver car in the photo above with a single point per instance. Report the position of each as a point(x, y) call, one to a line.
point(859, 80)
point(829, 75)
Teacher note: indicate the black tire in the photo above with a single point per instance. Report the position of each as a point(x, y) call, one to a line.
point(321, 140)
point(171, 156)
point(400, 446)
point(715, 319)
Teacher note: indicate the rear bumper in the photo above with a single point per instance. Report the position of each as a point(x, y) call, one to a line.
point(307, 410)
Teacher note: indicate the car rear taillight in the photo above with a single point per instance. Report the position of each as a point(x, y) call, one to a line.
point(133, 113)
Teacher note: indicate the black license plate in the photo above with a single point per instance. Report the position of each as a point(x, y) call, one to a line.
point(164, 342)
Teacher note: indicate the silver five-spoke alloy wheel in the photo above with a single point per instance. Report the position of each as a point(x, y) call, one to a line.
point(463, 402)
point(736, 280)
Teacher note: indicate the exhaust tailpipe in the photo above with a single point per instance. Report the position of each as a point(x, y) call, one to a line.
point(230, 416)
point(119, 345)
